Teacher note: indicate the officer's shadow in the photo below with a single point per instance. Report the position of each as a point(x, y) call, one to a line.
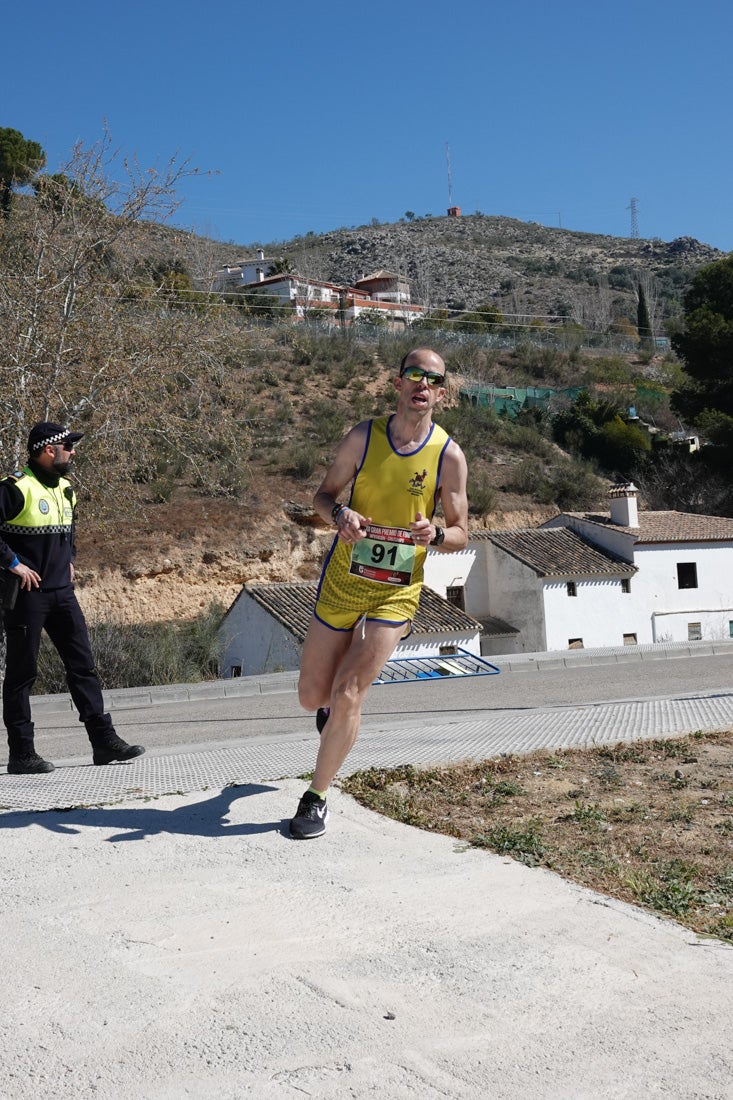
point(207, 818)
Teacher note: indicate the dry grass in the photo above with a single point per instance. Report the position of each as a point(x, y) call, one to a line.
point(650, 822)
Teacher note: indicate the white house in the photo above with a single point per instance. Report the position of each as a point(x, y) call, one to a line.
point(462, 579)
point(593, 580)
point(682, 588)
point(242, 272)
point(382, 293)
point(265, 627)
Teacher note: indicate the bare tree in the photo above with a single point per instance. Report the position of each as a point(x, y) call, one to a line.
point(87, 338)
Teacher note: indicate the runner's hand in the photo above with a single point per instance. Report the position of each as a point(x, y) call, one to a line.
point(422, 530)
point(352, 525)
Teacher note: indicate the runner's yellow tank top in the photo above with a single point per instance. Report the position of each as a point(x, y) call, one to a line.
point(389, 488)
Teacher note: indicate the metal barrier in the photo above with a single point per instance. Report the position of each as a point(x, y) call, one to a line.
point(402, 670)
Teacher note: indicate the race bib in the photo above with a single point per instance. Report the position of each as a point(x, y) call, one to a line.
point(386, 555)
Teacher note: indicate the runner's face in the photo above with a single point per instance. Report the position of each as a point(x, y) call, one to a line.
point(418, 394)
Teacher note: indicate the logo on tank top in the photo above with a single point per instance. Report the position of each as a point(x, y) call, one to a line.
point(417, 483)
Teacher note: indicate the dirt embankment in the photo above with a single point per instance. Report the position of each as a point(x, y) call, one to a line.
point(179, 559)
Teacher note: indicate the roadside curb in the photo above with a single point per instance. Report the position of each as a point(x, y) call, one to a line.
point(132, 698)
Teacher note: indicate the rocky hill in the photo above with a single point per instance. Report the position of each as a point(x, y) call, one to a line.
point(523, 268)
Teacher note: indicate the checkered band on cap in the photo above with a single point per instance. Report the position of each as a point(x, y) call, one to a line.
point(56, 438)
point(45, 433)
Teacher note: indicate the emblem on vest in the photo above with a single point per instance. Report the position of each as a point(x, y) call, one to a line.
point(43, 507)
point(418, 483)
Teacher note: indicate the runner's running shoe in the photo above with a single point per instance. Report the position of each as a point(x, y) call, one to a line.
point(310, 818)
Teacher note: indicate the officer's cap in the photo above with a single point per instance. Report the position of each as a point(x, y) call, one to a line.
point(44, 433)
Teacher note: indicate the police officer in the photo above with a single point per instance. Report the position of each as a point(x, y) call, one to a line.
point(37, 546)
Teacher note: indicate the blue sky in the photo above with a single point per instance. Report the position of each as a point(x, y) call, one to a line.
point(316, 116)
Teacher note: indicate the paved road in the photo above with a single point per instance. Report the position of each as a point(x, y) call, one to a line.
point(274, 714)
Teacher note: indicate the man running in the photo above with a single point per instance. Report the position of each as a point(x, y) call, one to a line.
point(398, 467)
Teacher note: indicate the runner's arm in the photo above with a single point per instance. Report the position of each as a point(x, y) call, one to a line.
point(341, 473)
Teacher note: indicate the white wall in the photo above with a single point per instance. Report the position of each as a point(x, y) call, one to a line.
point(515, 595)
point(443, 571)
point(477, 582)
point(670, 608)
point(674, 627)
point(654, 610)
point(601, 613)
point(256, 641)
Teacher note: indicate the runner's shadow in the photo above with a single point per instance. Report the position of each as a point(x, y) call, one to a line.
point(208, 819)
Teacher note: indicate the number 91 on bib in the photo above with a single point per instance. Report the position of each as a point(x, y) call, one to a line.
point(386, 555)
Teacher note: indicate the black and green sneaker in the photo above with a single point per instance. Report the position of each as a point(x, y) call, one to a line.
point(310, 817)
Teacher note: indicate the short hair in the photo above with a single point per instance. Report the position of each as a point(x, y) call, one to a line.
point(404, 358)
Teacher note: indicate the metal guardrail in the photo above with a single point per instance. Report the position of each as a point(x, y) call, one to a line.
point(403, 670)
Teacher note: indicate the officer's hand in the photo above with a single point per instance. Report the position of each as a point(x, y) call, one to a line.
point(28, 577)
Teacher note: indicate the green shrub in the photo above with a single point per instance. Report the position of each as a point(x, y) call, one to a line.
point(143, 654)
point(481, 495)
point(302, 461)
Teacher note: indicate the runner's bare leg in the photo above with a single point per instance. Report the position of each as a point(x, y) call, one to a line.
point(352, 676)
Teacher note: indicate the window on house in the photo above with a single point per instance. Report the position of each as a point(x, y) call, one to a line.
point(236, 670)
point(575, 643)
point(629, 639)
point(625, 585)
point(694, 632)
point(456, 594)
point(572, 588)
point(730, 627)
point(447, 650)
point(686, 574)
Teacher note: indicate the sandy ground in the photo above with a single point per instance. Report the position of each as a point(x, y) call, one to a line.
point(186, 947)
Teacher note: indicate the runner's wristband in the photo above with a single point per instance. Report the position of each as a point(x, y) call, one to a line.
point(336, 511)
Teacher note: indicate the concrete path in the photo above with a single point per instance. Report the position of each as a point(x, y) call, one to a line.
point(163, 937)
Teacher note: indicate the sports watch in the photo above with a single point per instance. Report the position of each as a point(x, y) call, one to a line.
point(439, 537)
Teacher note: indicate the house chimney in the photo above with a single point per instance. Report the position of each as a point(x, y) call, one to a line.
point(260, 253)
point(624, 511)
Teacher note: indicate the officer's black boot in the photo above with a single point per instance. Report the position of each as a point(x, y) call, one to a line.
point(24, 760)
point(107, 747)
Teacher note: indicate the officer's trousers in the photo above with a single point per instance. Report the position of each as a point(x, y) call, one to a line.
point(58, 612)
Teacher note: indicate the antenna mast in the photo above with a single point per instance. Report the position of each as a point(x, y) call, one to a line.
point(450, 185)
point(453, 211)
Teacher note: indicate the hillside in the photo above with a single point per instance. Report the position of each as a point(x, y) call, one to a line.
point(178, 554)
point(523, 268)
point(215, 430)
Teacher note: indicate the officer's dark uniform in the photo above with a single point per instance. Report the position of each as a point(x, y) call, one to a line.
point(37, 529)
